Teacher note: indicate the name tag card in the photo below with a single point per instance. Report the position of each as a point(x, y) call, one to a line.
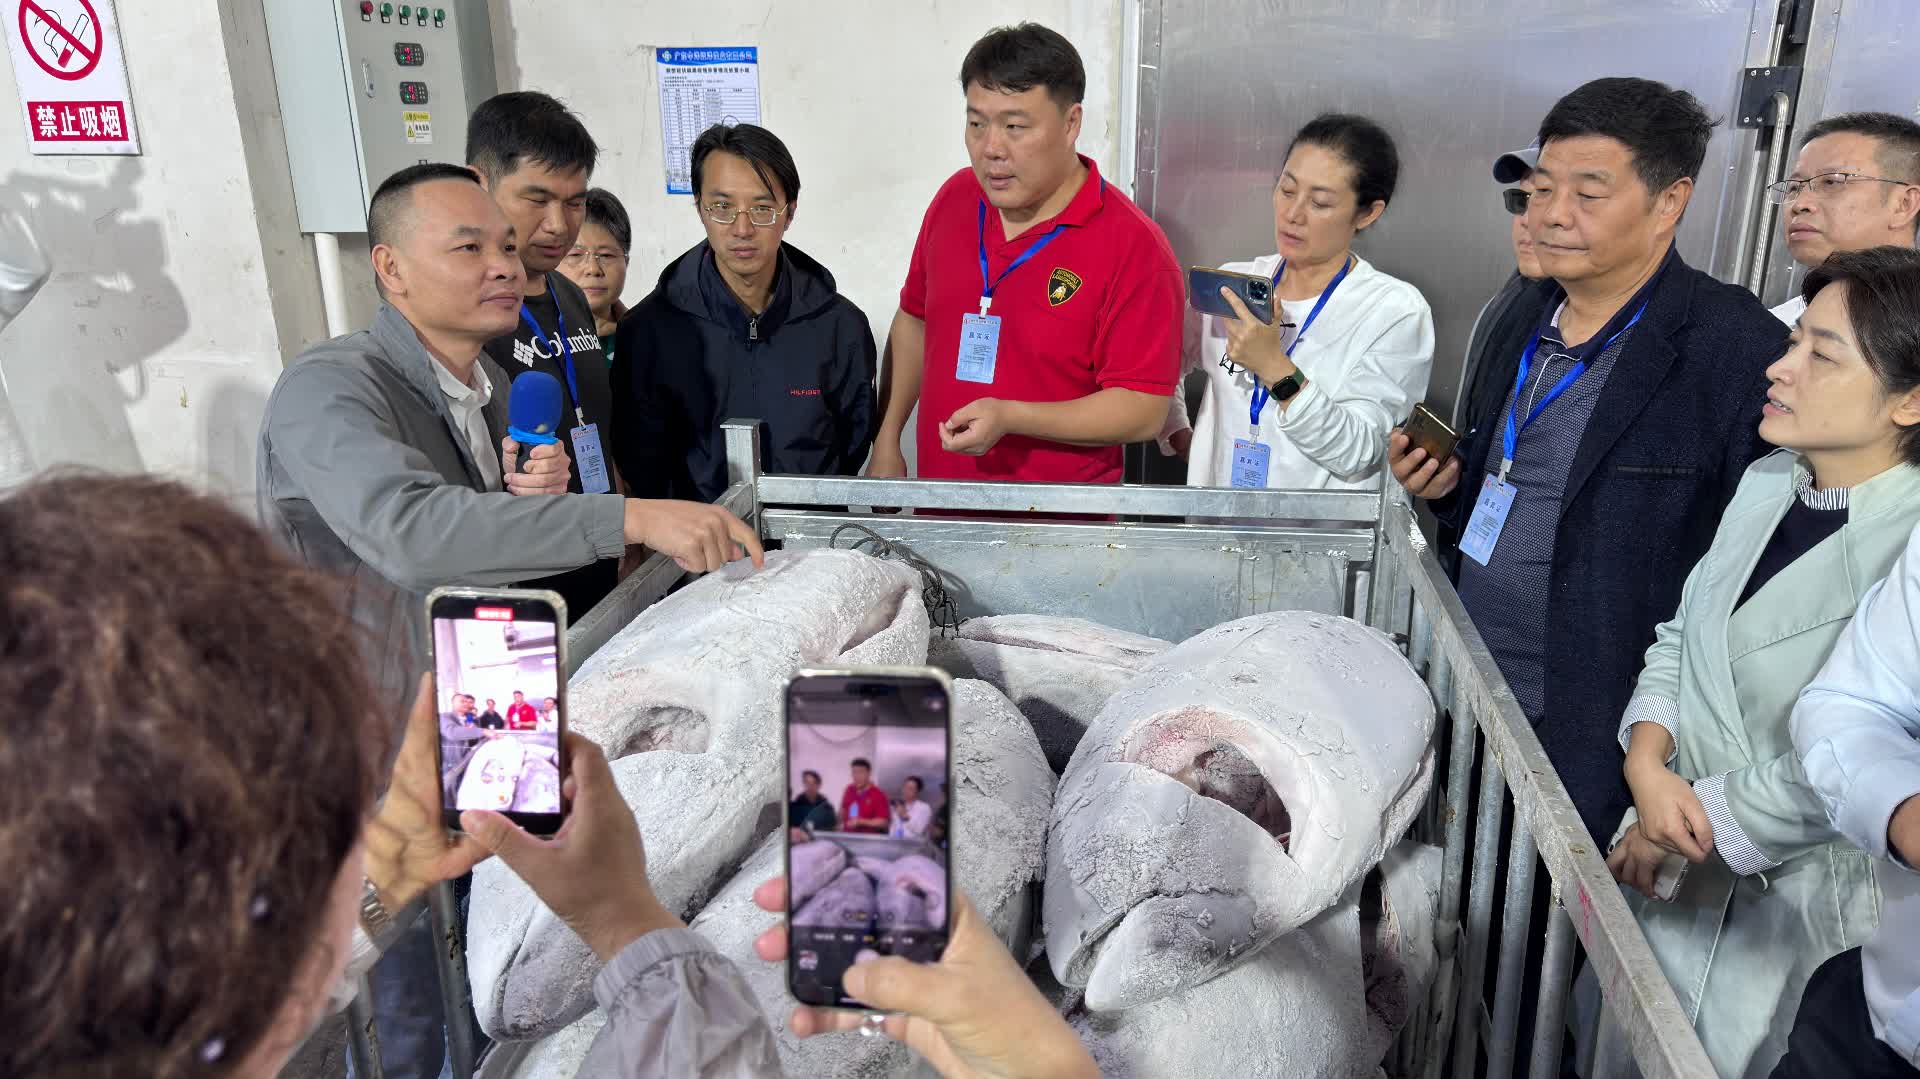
point(1489, 518)
point(1250, 462)
point(593, 461)
point(979, 348)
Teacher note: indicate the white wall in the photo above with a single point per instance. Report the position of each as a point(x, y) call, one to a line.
point(865, 93)
point(178, 277)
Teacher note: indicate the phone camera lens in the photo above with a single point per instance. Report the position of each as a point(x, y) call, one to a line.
point(1257, 290)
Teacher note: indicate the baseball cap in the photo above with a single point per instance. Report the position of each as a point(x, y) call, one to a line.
point(1513, 166)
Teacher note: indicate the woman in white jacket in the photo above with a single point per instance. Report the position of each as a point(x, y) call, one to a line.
point(1329, 383)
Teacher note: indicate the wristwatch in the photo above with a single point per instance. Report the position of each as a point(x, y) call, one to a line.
point(375, 918)
point(1284, 389)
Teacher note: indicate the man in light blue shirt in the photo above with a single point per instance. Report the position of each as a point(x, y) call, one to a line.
point(1857, 731)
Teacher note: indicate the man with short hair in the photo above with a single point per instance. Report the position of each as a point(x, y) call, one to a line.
point(520, 714)
point(384, 462)
point(1039, 326)
point(1618, 406)
point(549, 715)
point(536, 159)
point(743, 325)
point(490, 719)
point(863, 808)
point(1855, 185)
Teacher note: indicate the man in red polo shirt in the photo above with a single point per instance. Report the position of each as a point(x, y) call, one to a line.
point(1039, 327)
point(863, 808)
point(520, 714)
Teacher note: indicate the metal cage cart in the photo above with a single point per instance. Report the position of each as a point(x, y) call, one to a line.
point(1172, 561)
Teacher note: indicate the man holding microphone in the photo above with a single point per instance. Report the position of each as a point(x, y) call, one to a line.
point(384, 461)
point(1039, 326)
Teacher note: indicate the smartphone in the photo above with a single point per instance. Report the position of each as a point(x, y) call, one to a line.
point(1431, 433)
point(1203, 292)
point(866, 878)
point(499, 663)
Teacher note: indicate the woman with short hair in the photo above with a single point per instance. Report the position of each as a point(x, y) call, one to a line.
point(1745, 887)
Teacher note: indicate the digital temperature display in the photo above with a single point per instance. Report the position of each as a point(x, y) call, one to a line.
point(409, 54)
point(413, 93)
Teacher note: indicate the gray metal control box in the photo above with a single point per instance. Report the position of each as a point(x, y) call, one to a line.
point(369, 87)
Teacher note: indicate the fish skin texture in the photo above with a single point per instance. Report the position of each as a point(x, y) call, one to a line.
point(1155, 883)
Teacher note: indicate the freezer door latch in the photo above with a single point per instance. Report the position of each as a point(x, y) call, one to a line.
point(1757, 87)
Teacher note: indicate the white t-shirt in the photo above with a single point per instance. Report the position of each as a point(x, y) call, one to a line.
point(1366, 359)
point(469, 406)
point(1791, 311)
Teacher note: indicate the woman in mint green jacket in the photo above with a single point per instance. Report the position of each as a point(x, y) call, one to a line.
point(1770, 890)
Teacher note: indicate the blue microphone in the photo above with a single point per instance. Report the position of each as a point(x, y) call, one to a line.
point(533, 413)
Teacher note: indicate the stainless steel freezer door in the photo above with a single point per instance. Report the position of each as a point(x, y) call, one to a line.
point(1224, 83)
point(1860, 58)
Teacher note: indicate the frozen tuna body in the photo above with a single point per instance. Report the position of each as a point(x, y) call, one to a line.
point(702, 667)
point(1295, 1009)
point(815, 865)
point(1231, 793)
point(688, 701)
point(1058, 671)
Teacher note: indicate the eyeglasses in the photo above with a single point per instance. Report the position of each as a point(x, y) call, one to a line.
point(762, 216)
point(1825, 186)
point(1515, 199)
point(580, 257)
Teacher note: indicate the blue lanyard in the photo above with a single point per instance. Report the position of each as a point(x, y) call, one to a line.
point(1510, 438)
point(1261, 394)
point(566, 351)
point(988, 285)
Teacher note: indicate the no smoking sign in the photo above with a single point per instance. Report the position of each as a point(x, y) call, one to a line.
point(72, 75)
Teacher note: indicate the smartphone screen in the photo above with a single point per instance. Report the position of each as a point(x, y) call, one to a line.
point(868, 764)
point(499, 660)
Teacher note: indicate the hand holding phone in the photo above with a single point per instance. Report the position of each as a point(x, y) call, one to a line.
point(1427, 431)
point(975, 1012)
point(593, 874)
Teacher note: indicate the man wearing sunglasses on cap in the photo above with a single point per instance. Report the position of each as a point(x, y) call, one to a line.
point(1513, 170)
point(1855, 185)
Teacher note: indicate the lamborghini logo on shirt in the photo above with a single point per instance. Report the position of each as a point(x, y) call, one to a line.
point(1061, 287)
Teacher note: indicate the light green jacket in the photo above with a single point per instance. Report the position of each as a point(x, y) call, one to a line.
point(1740, 946)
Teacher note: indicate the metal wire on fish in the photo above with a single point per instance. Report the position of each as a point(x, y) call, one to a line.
point(935, 592)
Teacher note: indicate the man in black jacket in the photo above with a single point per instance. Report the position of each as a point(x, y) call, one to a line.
point(743, 326)
point(1633, 384)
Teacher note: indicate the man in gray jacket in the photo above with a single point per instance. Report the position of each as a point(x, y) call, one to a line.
point(1857, 732)
point(384, 461)
point(377, 455)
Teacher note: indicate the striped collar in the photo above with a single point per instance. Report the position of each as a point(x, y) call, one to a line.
point(1831, 499)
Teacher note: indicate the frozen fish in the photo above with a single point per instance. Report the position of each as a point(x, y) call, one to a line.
point(1058, 671)
point(1241, 785)
point(706, 666)
point(847, 903)
point(1295, 1009)
point(815, 865)
point(492, 774)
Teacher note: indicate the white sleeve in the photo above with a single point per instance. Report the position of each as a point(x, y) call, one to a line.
point(1346, 432)
point(23, 267)
point(1857, 727)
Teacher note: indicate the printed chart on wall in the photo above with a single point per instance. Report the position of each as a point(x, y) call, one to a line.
point(72, 76)
point(701, 87)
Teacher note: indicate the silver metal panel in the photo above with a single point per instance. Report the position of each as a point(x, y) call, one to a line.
point(1455, 81)
point(1169, 581)
point(1132, 499)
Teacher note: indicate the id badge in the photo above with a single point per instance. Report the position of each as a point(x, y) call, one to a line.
point(1250, 461)
point(592, 462)
point(979, 347)
point(1489, 517)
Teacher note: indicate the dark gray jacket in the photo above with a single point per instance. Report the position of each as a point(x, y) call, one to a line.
point(363, 474)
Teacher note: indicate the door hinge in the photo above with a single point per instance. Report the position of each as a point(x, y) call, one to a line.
point(1757, 87)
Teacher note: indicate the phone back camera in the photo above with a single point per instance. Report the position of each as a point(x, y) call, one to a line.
point(1257, 291)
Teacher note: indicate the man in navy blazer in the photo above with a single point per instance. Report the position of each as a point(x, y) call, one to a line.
point(1610, 418)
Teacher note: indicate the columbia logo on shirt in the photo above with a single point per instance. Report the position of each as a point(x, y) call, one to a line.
point(547, 348)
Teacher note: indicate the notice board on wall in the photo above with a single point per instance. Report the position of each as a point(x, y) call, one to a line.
point(701, 87)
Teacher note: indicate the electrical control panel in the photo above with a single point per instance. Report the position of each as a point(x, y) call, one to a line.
point(369, 87)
